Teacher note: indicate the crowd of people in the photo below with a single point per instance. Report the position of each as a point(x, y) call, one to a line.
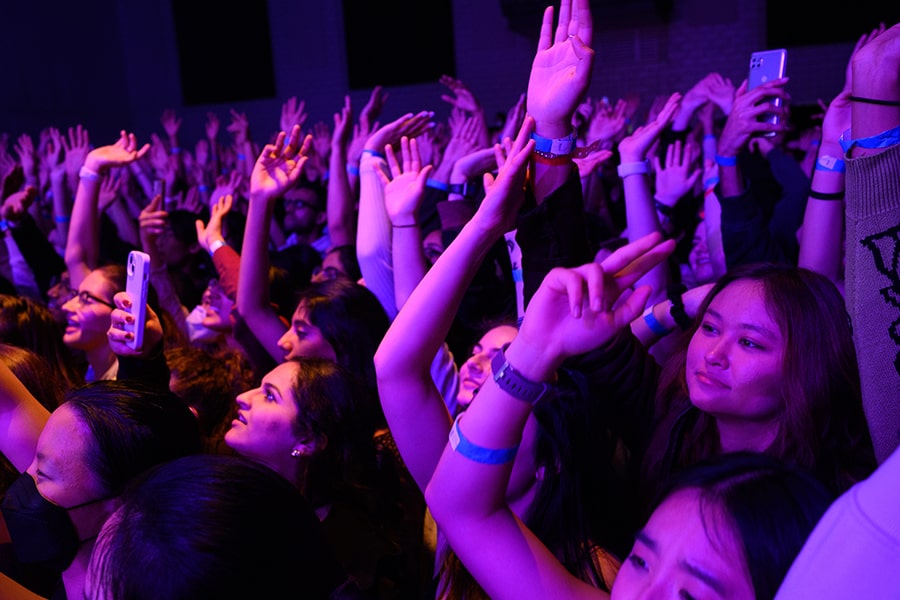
point(591, 353)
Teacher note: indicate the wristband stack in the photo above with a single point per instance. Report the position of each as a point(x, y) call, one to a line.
point(553, 151)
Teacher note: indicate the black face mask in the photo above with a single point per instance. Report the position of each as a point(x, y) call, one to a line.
point(41, 532)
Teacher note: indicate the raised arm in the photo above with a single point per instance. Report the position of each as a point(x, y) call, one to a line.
point(559, 79)
point(278, 167)
point(373, 238)
point(573, 311)
point(22, 418)
point(642, 210)
point(341, 202)
point(822, 234)
point(404, 188)
point(412, 404)
point(82, 245)
point(873, 212)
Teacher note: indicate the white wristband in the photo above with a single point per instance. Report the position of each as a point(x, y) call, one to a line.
point(215, 246)
point(633, 168)
point(86, 173)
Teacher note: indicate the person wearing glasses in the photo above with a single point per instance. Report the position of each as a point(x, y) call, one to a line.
point(88, 311)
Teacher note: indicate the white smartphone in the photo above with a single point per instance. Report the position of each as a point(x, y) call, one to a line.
point(138, 270)
point(766, 65)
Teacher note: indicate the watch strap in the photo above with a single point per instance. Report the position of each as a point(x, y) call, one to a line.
point(513, 383)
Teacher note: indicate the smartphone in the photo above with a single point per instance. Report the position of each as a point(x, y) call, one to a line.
point(138, 271)
point(159, 189)
point(766, 65)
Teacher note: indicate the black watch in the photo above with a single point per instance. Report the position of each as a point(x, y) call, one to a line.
point(467, 190)
point(512, 382)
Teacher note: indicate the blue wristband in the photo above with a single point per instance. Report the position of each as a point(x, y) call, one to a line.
point(726, 161)
point(62, 218)
point(437, 185)
point(884, 139)
point(654, 325)
point(353, 170)
point(373, 153)
point(203, 188)
point(485, 456)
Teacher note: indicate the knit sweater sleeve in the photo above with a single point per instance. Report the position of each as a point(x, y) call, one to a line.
point(872, 288)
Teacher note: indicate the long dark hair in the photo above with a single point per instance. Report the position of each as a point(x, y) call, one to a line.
point(353, 322)
point(769, 506)
point(822, 426)
point(198, 520)
point(29, 324)
point(134, 426)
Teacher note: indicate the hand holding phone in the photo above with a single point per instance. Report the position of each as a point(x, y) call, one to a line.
point(765, 66)
point(138, 272)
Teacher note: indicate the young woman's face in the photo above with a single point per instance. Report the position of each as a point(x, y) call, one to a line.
point(264, 427)
point(304, 339)
point(217, 306)
point(477, 367)
point(60, 467)
point(87, 314)
point(734, 361)
point(682, 553)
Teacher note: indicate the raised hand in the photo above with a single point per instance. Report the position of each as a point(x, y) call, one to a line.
point(635, 147)
point(321, 139)
point(679, 174)
point(607, 121)
point(212, 231)
point(55, 155)
point(77, 149)
point(201, 153)
point(404, 184)
point(474, 164)
point(720, 91)
point(742, 122)
point(212, 127)
point(279, 165)
point(24, 148)
point(152, 220)
point(462, 97)
point(464, 139)
point(124, 151)
point(109, 191)
point(590, 162)
point(239, 127)
point(369, 114)
point(577, 310)
point(158, 156)
point(16, 204)
point(561, 71)
point(226, 185)
point(171, 124)
point(409, 125)
point(118, 338)
point(293, 112)
point(504, 195)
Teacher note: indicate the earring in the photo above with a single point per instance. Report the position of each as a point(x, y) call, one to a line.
point(295, 452)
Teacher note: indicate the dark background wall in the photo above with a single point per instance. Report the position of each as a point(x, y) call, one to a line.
point(113, 64)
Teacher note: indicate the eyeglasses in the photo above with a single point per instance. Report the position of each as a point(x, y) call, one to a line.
point(85, 298)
